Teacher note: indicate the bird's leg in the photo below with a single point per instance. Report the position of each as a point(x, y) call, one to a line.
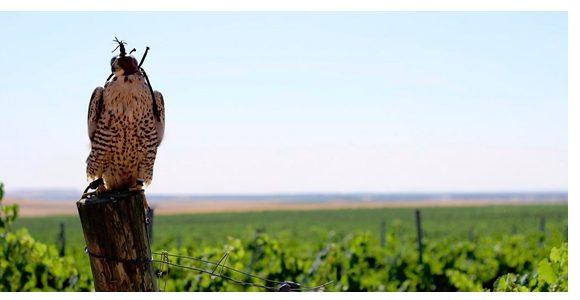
point(139, 188)
point(97, 185)
point(145, 204)
point(101, 189)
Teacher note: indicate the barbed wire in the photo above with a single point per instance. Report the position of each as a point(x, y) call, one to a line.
point(218, 265)
point(165, 259)
point(286, 286)
point(218, 275)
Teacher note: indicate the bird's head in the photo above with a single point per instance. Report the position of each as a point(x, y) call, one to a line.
point(123, 64)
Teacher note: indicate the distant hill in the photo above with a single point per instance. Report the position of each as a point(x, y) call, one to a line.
point(374, 197)
point(44, 194)
point(515, 197)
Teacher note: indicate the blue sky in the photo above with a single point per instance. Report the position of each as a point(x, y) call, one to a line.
point(300, 102)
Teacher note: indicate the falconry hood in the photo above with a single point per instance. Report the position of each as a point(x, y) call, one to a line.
point(123, 64)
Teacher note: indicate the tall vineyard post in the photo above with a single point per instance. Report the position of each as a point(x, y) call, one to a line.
point(565, 226)
point(542, 231)
point(383, 233)
point(62, 239)
point(114, 226)
point(419, 235)
point(471, 234)
point(257, 250)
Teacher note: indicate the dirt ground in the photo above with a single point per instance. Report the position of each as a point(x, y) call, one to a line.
point(36, 208)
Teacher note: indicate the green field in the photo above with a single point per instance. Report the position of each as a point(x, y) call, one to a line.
point(214, 229)
point(465, 249)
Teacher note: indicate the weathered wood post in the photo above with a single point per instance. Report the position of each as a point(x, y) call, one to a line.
point(542, 231)
point(62, 240)
point(419, 235)
point(257, 251)
point(383, 233)
point(117, 242)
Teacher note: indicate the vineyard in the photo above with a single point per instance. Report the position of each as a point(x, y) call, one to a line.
point(492, 248)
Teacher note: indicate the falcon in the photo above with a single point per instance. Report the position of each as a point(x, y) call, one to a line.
point(126, 123)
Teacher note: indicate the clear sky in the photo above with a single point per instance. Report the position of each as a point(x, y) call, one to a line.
point(300, 102)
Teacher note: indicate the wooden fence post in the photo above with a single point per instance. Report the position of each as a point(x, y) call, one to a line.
point(62, 240)
point(117, 242)
point(257, 251)
point(542, 231)
point(383, 233)
point(419, 235)
point(471, 235)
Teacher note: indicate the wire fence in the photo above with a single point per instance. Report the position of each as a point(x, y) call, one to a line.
point(216, 269)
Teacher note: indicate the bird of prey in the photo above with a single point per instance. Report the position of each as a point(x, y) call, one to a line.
point(126, 123)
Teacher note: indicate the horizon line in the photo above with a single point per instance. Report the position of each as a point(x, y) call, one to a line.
point(297, 193)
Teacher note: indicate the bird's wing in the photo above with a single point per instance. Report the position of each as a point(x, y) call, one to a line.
point(95, 109)
point(160, 116)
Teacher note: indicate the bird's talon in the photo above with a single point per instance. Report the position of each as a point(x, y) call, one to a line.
point(137, 188)
point(87, 195)
point(100, 190)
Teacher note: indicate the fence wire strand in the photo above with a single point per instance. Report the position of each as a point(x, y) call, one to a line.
point(293, 286)
point(165, 260)
point(218, 275)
